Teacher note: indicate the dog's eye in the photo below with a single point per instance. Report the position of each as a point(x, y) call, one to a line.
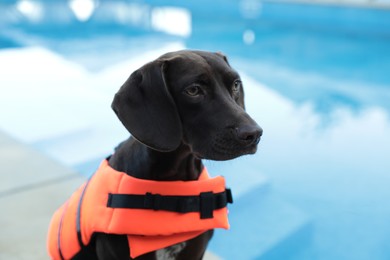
point(193, 91)
point(236, 86)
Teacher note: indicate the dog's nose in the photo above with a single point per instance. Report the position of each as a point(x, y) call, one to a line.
point(249, 134)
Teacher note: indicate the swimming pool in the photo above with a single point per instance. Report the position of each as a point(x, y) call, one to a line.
point(317, 80)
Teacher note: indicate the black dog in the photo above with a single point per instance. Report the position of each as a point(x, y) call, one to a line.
point(181, 108)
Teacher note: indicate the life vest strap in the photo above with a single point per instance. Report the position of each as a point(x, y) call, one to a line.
point(205, 203)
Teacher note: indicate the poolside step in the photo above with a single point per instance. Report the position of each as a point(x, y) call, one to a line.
point(80, 146)
point(263, 226)
point(84, 148)
point(22, 167)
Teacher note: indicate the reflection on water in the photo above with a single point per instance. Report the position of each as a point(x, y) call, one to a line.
point(321, 97)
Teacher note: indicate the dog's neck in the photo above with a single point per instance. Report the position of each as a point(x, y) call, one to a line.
point(140, 161)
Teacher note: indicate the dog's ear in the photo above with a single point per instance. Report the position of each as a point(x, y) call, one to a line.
point(223, 57)
point(146, 108)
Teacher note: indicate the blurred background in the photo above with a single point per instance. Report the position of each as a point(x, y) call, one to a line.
point(316, 76)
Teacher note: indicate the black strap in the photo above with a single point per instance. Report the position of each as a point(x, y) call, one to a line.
point(205, 203)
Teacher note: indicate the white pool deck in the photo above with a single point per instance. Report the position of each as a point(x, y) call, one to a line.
point(32, 187)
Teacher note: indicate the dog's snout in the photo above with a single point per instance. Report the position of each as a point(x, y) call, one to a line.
point(249, 134)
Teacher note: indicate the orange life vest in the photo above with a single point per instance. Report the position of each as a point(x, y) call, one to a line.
point(153, 214)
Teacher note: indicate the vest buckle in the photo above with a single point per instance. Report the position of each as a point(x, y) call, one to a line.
point(153, 201)
point(206, 205)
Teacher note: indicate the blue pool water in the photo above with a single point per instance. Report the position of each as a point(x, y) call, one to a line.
point(317, 79)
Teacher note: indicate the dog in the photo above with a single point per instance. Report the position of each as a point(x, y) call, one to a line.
point(181, 108)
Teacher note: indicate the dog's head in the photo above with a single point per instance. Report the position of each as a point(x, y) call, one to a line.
point(189, 98)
